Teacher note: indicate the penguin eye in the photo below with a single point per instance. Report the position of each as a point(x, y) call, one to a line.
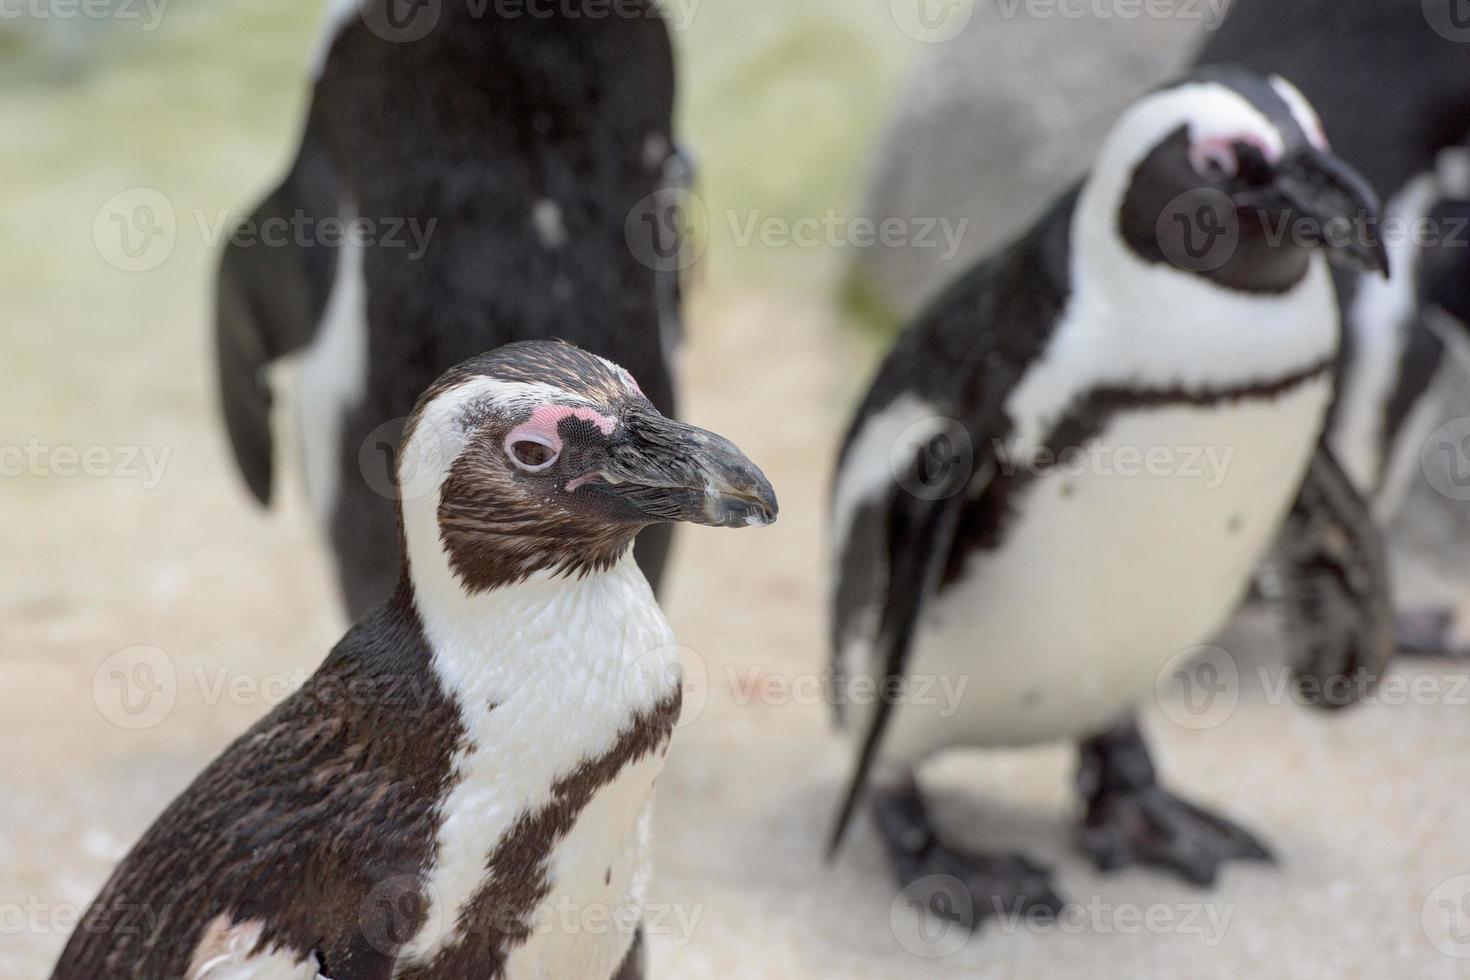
point(1214, 160)
point(532, 455)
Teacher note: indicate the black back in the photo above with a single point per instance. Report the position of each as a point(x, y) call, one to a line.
point(323, 808)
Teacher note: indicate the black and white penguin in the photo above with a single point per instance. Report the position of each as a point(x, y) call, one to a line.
point(469, 175)
point(1391, 82)
point(471, 770)
point(1026, 497)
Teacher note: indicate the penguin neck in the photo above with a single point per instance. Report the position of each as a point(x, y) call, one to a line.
point(486, 646)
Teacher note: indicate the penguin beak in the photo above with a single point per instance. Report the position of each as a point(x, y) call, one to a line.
point(1340, 208)
point(668, 471)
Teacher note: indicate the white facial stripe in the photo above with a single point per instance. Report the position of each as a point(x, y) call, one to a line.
point(440, 435)
point(1301, 110)
point(1210, 110)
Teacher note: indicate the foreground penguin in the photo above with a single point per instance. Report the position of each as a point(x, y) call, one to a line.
point(469, 175)
point(1002, 510)
point(476, 756)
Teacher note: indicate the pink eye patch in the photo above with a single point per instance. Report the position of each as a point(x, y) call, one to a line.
point(542, 425)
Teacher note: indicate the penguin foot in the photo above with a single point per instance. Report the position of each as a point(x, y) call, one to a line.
point(1151, 826)
point(1131, 819)
point(1430, 633)
point(961, 886)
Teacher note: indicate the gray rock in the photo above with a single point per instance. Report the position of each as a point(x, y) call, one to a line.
point(993, 124)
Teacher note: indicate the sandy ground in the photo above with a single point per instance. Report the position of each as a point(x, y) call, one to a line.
point(1364, 809)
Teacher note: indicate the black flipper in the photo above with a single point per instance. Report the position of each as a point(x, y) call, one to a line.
point(274, 280)
point(921, 531)
point(1335, 588)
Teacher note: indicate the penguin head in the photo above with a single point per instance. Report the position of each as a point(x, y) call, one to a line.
point(539, 456)
point(1228, 175)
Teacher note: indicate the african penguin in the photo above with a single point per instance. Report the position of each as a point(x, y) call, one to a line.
point(1391, 82)
point(466, 782)
point(470, 178)
point(1025, 497)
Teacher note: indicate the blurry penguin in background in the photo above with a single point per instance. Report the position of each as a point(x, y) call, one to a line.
point(467, 177)
point(1391, 80)
point(1061, 587)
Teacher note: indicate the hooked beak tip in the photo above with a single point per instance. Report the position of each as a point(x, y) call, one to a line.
point(750, 503)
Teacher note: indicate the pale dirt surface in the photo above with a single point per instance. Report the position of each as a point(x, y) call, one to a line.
point(1366, 809)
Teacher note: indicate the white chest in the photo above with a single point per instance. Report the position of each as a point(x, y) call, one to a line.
point(1115, 560)
point(550, 687)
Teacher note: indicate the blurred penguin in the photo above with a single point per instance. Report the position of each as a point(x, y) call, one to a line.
point(1392, 85)
point(468, 176)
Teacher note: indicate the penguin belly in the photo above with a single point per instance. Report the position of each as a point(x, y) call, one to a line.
point(1105, 572)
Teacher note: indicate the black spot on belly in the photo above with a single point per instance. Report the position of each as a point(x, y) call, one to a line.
point(607, 878)
point(1237, 523)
